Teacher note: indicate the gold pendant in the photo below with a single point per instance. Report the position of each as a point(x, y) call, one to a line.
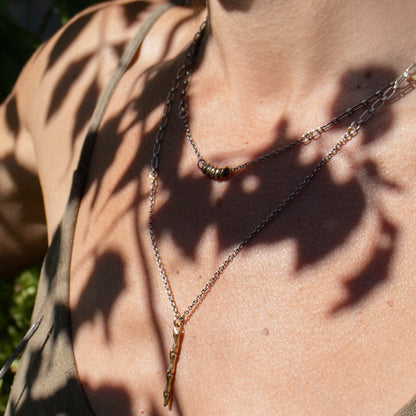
point(173, 360)
point(213, 172)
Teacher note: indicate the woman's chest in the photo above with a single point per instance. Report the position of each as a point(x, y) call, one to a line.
point(313, 316)
point(308, 311)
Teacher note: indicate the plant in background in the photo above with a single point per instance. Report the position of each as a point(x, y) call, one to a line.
point(17, 298)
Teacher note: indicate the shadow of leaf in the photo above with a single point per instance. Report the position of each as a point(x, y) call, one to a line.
point(375, 273)
point(25, 206)
point(86, 108)
point(132, 10)
point(65, 84)
point(319, 222)
point(12, 118)
point(374, 173)
point(94, 302)
point(72, 31)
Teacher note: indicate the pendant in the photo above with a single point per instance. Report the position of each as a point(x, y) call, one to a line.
point(173, 360)
point(213, 172)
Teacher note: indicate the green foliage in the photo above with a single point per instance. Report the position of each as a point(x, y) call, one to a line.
point(17, 297)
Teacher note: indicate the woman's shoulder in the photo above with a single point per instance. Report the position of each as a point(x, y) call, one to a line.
point(58, 89)
point(83, 54)
point(95, 36)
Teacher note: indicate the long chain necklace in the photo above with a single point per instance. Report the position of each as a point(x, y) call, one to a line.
point(220, 173)
point(374, 104)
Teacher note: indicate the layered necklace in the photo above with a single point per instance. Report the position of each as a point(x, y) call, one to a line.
point(395, 89)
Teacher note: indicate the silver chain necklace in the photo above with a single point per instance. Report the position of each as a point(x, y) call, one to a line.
point(220, 173)
point(372, 105)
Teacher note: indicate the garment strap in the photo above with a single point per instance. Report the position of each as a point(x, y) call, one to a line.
point(409, 409)
point(63, 239)
point(108, 91)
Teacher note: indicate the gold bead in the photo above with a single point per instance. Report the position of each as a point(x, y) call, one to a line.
point(214, 172)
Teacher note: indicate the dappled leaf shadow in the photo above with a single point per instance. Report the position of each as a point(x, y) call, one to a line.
point(319, 221)
point(65, 84)
point(375, 272)
point(374, 174)
point(76, 68)
point(12, 118)
point(158, 82)
point(49, 356)
point(86, 108)
point(25, 206)
point(95, 302)
point(64, 399)
point(112, 399)
point(236, 5)
point(330, 210)
point(358, 84)
point(68, 37)
point(132, 10)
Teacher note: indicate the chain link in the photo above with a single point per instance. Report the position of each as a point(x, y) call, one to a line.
point(372, 105)
point(374, 101)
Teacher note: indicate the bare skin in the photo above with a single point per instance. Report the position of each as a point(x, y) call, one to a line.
point(316, 315)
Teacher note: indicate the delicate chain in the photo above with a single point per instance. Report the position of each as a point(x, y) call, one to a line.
point(221, 173)
point(372, 104)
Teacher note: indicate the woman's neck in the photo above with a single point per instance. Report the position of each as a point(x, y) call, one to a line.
point(275, 48)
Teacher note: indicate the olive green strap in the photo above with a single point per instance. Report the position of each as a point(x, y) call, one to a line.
point(105, 97)
point(409, 409)
point(81, 173)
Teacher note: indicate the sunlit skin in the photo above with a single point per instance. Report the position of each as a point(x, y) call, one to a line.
point(316, 315)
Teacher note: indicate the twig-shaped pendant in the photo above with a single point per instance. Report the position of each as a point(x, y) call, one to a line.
point(173, 360)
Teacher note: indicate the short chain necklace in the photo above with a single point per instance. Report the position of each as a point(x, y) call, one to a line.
point(220, 173)
point(181, 319)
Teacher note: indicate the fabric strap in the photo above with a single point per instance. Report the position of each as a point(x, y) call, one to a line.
point(107, 93)
point(47, 380)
